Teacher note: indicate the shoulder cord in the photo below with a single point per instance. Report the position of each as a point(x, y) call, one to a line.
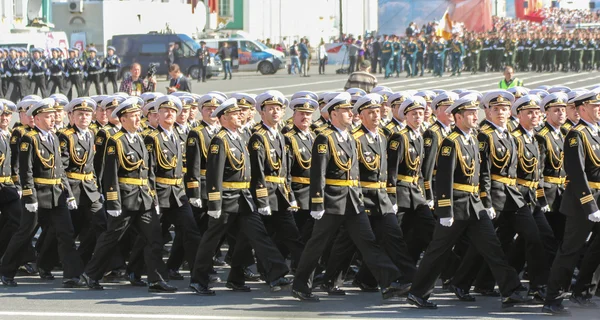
point(80, 162)
point(527, 164)
point(126, 163)
point(371, 166)
point(274, 165)
point(162, 159)
point(304, 164)
point(554, 160)
point(411, 164)
point(344, 166)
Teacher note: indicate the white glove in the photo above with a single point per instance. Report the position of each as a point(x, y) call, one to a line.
point(31, 207)
point(491, 213)
point(215, 214)
point(157, 208)
point(294, 206)
point(594, 217)
point(430, 204)
point(395, 208)
point(545, 209)
point(317, 214)
point(114, 213)
point(196, 202)
point(265, 211)
point(447, 222)
point(20, 193)
point(71, 204)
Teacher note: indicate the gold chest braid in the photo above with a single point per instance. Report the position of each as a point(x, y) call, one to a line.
point(125, 163)
point(304, 164)
point(411, 164)
point(497, 162)
point(528, 165)
point(344, 166)
point(80, 162)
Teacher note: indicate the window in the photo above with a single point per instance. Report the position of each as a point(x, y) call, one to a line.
point(153, 49)
point(248, 46)
point(226, 8)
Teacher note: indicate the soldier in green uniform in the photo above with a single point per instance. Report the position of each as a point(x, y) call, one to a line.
point(553, 53)
point(510, 51)
point(475, 50)
point(410, 56)
point(566, 56)
point(456, 50)
point(538, 53)
point(486, 52)
point(387, 51)
point(577, 53)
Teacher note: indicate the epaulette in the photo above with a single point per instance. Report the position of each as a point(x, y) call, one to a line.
point(434, 127)
point(153, 134)
point(357, 134)
point(257, 126)
point(31, 133)
point(261, 131)
point(452, 136)
point(69, 132)
point(21, 129)
point(484, 126)
point(117, 135)
point(380, 131)
point(199, 127)
point(290, 133)
point(326, 132)
point(579, 127)
point(487, 131)
point(404, 130)
point(354, 130)
point(517, 133)
point(544, 131)
point(221, 134)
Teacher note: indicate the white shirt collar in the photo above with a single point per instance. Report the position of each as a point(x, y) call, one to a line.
point(344, 133)
point(233, 134)
point(168, 132)
point(593, 126)
point(43, 132)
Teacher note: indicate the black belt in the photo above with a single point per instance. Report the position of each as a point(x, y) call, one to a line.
point(116, 70)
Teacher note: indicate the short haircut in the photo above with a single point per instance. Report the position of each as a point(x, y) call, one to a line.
point(174, 68)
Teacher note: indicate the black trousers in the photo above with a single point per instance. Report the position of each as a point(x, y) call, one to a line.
point(202, 72)
point(57, 82)
point(18, 88)
point(577, 230)
point(10, 218)
point(186, 229)
point(89, 221)
point(38, 83)
point(282, 228)
point(110, 77)
point(147, 224)
point(417, 226)
point(351, 64)
point(483, 237)
point(251, 226)
point(74, 80)
point(305, 223)
point(359, 229)
point(95, 79)
point(57, 218)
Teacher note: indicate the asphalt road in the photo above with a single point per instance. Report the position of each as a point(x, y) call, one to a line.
point(35, 299)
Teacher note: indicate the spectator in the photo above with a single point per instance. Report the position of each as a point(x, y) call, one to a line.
point(225, 55)
point(304, 55)
point(203, 58)
point(178, 81)
point(133, 85)
point(295, 61)
point(362, 79)
point(352, 55)
point(322, 53)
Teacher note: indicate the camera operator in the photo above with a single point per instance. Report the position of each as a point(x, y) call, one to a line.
point(134, 85)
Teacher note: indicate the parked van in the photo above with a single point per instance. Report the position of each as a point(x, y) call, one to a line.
point(152, 48)
point(248, 54)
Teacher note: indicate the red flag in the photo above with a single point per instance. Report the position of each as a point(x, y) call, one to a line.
point(475, 14)
point(335, 49)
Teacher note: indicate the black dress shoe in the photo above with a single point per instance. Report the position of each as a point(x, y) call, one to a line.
point(238, 287)
point(538, 294)
point(175, 275)
point(277, 285)
point(136, 281)
point(46, 275)
point(213, 278)
point(516, 298)
point(306, 297)
point(556, 309)
point(219, 263)
point(201, 290)
point(332, 290)
point(114, 276)
point(487, 292)
point(461, 294)
point(91, 283)
point(250, 276)
point(364, 287)
point(161, 286)
point(28, 269)
point(74, 283)
point(396, 290)
point(583, 301)
point(420, 302)
point(9, 282)
point(319, 279)
point(446, 284)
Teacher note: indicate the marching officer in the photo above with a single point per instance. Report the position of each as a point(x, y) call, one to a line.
point(580, 204)
point(270, 184)
point(404, 170)
point(99, 118)
point(461, 211)
point(73, 72)
point(46, 193)
point(551, 143)
point(17, 67)
point(165, 154)
point(56, 67)
point(335, 201)
point(38, 71)
point(10, 204)
point(93, 68)
point(410, 54)
point(457, 50)
point(129, 200)
point(572, 112)
point(230, 201)
point(77, 154)
point(19, 130)
point(433, 137)
point(111, 65)
point(397, 123)
point(149, 112)
point(298, 143)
